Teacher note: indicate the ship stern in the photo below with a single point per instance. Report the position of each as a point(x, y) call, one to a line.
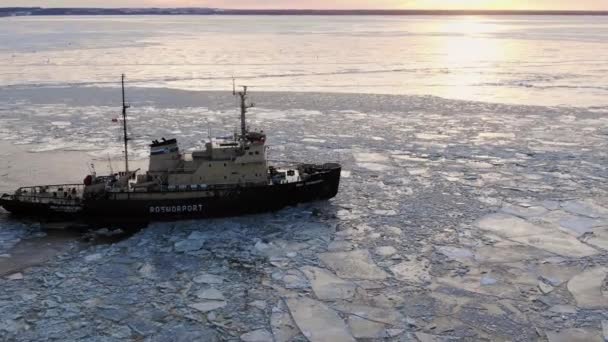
point(7, 202)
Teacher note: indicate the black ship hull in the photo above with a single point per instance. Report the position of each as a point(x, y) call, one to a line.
point(177, 205)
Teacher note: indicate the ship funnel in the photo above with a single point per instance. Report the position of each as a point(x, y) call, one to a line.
point(163, 155)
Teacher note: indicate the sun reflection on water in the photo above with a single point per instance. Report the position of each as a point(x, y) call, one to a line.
point(466, 55)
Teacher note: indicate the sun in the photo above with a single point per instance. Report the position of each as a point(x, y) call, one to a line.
point(463, 4)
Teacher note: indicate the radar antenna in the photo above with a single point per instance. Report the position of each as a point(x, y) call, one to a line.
point(244, 107)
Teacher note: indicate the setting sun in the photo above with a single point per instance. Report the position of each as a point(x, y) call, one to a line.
point(467, 4)
point(499, 4)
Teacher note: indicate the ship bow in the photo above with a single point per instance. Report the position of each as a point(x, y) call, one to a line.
point(332, 179)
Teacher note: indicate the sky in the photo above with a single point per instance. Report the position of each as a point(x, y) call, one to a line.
point(327, 4)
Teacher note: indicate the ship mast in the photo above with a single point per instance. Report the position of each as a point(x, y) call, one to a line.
point(244, 107)
point(124, 125)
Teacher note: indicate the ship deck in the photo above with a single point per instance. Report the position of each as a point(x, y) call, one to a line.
point(61, 194)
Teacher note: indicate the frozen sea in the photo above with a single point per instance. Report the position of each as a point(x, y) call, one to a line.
point(541, 60)
point(472, 206)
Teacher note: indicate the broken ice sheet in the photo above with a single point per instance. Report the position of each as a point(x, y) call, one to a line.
point(556, 274)
point(459, 254)
point(318, 322)
point(599, 238)
point(571, 223)
point(587, 288)
point(284, 329)
point(327, 286)
point(387, 316)
point(524, 232)
point(586, 208)
point(574, 335)
point(508, 252)
point(372, 161)
point(206, 306)
point(524, 212)
point(412, 270)
point(357, 264)
point(484, 281)
point(363, 328)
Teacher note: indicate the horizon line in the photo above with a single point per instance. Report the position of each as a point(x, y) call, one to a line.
point(305, 9)
point(122, 11)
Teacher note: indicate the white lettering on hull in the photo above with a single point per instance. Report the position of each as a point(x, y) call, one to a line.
point(65, 209)
point(191, 208)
